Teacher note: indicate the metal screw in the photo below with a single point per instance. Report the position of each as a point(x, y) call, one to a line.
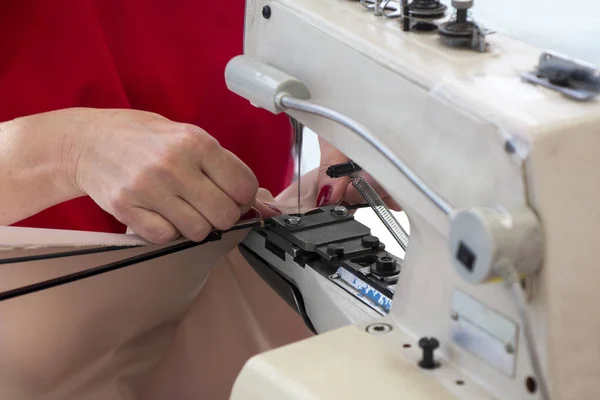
point(293, 221)
point(339, 211)
point(428, 345)
point(266, 12)
point(379, 328)
point(509, 147)
point(509, 348)
point(454, 315)
point(385, 265)
point(334, 276)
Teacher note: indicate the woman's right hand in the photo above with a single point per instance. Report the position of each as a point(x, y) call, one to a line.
point(160, 178)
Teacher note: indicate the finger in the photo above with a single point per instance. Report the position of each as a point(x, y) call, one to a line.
point(266, 210)
point(392, 204)
point(331, 190)
point(185, 218)
point(353, 196)
point(230, 174)
point(264, 195)
point(149, 225)
point(245, 209)
point(253, 213)
point(210, 201)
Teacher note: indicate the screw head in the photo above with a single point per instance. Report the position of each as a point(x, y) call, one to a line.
point(334, 276)
point(454, 315)
point(510, 349)
point(429, 343)
point(294, 221)
point(509, 147)
point(339, 211)
point(266, 12)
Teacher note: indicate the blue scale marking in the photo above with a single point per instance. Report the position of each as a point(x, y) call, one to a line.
point(364, 288)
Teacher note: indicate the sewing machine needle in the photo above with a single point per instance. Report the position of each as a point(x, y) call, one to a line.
point(298, 130)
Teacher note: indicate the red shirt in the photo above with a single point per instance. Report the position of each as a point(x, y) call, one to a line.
point(164, 56)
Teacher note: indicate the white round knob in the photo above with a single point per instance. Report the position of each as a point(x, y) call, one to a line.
point(462, 4)
point(481, 239)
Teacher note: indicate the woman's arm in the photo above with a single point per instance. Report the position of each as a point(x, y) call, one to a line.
point(35, 166)
point(161, 178)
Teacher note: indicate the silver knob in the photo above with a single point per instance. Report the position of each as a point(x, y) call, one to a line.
point(462, 4)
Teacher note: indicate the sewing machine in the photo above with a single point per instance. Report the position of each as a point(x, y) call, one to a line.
point(490, 146)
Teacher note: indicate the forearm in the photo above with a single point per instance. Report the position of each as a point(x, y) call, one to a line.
point(35, 163)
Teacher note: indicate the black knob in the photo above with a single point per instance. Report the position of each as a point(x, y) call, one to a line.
point(428, 345)
point(344, 169)
point(266, 12)
point(370, 241)
point(335, 249)
point(385, 265)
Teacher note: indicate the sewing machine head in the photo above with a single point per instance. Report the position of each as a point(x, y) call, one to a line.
point(501, 135)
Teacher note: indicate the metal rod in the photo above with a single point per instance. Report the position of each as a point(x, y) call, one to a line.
point(306, 106)
point(405, 16)
point(298, 129)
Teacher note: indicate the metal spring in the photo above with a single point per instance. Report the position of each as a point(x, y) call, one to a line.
point(385, 215)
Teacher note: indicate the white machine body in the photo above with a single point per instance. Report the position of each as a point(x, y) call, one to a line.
point(469, 126)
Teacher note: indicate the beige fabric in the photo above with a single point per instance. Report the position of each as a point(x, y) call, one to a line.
point(235, 317)
point(131, 334)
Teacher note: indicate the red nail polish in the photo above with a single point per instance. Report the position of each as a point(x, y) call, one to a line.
point(272, 207)
point(324, 195)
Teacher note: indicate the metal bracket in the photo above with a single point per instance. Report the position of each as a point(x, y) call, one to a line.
point(573, 78)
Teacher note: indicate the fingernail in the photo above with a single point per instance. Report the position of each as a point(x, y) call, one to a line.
point(324, 195)
point(272, 207)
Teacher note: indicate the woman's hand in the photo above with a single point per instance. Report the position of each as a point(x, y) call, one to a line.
point(332, 191)
point(161, 178)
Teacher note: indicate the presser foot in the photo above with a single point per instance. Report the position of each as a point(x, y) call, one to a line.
point(326, 265)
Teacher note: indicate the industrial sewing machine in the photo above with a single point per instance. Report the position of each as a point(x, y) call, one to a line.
point(490, 146)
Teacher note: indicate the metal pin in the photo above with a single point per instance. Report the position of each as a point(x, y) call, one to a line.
point(298, 129)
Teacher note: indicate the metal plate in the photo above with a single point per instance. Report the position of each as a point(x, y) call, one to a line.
point(586, 87)
point(484, 333)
